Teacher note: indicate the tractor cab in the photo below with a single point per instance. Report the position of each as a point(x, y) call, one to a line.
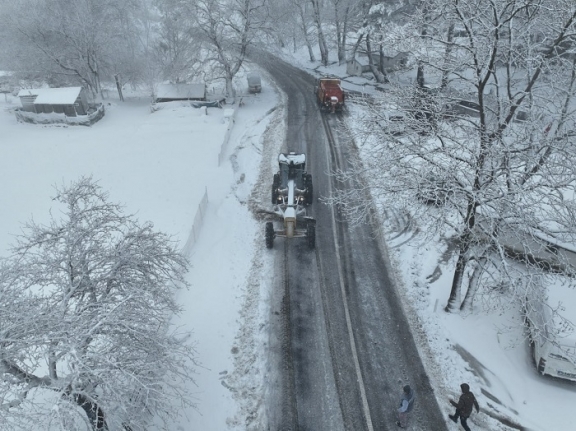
point(292, 167)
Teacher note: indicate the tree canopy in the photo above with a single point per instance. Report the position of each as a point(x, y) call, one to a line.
point(86, 303)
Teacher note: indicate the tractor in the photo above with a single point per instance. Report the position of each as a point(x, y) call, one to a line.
point(291, 194)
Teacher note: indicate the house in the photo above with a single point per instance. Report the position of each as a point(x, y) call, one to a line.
point(360, 65)
point(173, 92)
point(71, 101)
point(27, 97)
point(357, 66)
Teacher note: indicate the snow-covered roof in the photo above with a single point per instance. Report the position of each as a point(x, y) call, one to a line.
point(361, 60)
point(56, 96)
point(30, 92)
point(181, 91)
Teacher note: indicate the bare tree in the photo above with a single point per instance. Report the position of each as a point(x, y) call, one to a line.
point(305, 24)
point(317, 13)
point(348, 17)
point(177, 46)
point(381, 20)
point(227, 29)
point(489, 161)
point(74, 42)
point(86, 303)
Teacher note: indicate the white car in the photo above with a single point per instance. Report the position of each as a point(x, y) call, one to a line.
point(393, 122)
point(550, 315)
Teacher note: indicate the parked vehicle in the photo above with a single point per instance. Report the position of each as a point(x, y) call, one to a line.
point(552, 336)
point(459, 108)
point(434, 190)
point(254, 83)
point(393, 122)
point(329, 94)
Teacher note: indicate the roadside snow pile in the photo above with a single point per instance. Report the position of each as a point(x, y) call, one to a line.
point(96, 113)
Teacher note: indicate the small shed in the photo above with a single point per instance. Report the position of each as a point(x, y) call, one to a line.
point(174, 92)
point(71, 101)
point(27, 97)
point(357, 66)
point(360, 65)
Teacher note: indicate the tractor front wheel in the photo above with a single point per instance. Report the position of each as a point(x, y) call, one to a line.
point(270, 234)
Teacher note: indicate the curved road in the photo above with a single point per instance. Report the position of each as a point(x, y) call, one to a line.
point(347, 346)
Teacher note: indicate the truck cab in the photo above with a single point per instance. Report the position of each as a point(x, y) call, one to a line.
point(254, 82)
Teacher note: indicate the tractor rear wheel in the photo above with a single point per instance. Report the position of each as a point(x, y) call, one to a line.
point(311, 234)
point(270, 234)
point(309, 189)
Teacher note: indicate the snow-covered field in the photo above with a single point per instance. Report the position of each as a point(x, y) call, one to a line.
point(160, 165)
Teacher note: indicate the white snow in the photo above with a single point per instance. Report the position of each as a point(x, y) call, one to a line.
point(181, 91)
point(160, 165)
point(58, 96)
point(29, 91)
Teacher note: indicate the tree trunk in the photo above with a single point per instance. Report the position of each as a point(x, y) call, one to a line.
point(454, 299)
point(310, 50)
point(321, 40)
point(230, 90)
point(119, 88)
point(473, 285)
point(447, 52)
point(341, 30)
point(302, 13)
point(342, 48)
point(356, 46)
point(380, 77)
point(420, 75)
point(93, 411)
point(423, 33)
point(381, 58)
point(338, 33)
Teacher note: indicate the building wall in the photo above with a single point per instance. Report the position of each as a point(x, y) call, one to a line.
point(28, 103)
point(353, 67)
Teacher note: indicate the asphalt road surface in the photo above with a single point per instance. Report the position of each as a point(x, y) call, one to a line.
point(345, 349)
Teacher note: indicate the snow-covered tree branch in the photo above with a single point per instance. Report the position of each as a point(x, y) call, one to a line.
point(484, 153)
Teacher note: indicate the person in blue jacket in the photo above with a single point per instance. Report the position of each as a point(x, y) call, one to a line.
point(406, 406)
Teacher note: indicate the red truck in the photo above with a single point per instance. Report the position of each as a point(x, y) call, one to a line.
point(330, 94)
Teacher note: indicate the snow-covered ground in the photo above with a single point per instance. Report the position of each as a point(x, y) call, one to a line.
point(160, 165)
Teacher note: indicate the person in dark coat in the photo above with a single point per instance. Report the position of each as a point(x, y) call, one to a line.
point(406, 406)
point(464, 406)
